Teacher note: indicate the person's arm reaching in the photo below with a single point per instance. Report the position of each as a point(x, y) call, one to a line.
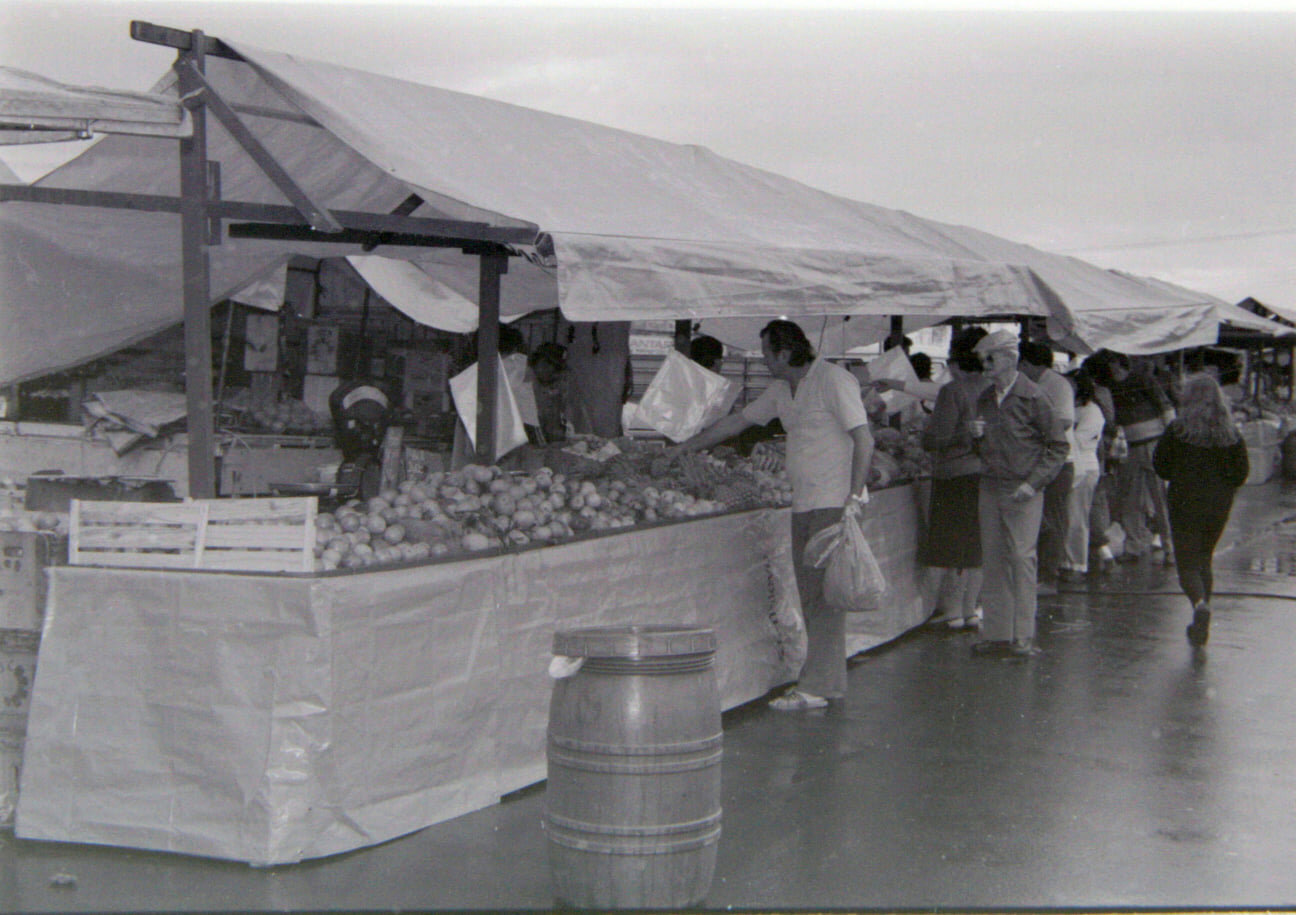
point(861, 461)
point(721, 430)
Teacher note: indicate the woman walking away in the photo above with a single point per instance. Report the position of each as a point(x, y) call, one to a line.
point(1204, 459)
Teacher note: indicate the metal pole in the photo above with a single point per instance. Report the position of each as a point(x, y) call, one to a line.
point(197, 282)
point(493, 266)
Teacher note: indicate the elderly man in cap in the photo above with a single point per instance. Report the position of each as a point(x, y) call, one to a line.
point(1022, 444)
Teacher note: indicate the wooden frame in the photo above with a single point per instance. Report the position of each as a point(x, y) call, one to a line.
point(202, 212)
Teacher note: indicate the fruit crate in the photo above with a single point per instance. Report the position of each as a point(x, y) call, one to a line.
point(245, 535)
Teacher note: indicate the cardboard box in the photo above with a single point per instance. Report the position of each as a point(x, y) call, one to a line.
point(23, 558)
point(18, 650)
point(55, 493)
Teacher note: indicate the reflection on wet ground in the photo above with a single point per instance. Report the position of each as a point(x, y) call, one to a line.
point(1120, 769)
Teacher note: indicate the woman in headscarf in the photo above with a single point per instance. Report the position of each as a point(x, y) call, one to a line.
point(1204, 459)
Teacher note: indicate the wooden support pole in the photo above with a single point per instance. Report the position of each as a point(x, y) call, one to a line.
point(683, 334)
point(197, 284)
point(493, 266)
point(1291, 371)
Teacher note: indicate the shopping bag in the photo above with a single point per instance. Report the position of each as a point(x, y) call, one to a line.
point(683, 398)
point(853, 580)
point(894, 364)
point(509, 430)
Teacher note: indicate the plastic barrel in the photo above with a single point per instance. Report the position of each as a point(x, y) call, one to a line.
point(632, 807)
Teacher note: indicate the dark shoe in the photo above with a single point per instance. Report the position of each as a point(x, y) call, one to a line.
point(1168, 559)
point(1023, 648)
point(1099, 567)
point(1127, 557)
point(1070, 580)
point(987, 648)
point(1199, 629)
point(942, 618)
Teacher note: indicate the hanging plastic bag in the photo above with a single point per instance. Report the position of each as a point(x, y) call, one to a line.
point(683, 398)
point(510, 433)
point(894, 364)
point(853, 580)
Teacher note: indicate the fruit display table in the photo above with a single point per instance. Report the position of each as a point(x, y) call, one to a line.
point(270, 718)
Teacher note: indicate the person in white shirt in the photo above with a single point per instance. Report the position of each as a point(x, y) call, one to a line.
point(1088, 439)
point(829, 450)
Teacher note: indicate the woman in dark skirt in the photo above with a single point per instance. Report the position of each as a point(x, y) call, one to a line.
point(951, 547)
point(1204, 459)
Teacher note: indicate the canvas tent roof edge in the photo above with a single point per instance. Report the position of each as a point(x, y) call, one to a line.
point(640, 227)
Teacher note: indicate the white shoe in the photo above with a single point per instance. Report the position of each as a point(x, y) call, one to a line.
point(967, 622)
point(1156, 541)
point(795, 700)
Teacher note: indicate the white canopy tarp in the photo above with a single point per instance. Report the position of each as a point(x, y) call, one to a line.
point(627, 227)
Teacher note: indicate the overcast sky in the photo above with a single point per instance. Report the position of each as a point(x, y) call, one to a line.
point(1159, 141)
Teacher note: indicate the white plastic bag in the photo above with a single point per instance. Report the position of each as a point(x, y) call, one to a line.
point(853, 580)
point(509, 430)
point(683, 398)
point(894, 364)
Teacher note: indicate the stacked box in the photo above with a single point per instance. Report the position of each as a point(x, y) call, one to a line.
point(18, 649)
point(425, 381)
point(23, 558)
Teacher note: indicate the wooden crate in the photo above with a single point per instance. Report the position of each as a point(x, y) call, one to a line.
point(246, 535)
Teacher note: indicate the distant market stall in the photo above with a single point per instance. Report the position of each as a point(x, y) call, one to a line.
point(341, 707)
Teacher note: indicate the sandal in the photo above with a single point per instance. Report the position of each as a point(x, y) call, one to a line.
point(794, 700)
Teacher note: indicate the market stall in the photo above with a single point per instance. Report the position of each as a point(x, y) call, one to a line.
point(271, 718)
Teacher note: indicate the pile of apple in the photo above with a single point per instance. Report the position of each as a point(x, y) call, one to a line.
point(482, 508)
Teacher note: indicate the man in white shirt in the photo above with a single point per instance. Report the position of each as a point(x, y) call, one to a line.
point(829, 450)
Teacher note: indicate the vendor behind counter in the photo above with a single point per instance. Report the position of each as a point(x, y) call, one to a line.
point(361, 413)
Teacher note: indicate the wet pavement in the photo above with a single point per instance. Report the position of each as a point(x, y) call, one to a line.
point(1119, 769)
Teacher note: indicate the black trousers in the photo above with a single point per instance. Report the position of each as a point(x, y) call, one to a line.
point(1196, 528)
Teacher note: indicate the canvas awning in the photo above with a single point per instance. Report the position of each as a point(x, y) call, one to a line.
point(622, 227)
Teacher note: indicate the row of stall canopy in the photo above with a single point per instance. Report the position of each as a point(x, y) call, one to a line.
point(604, 224)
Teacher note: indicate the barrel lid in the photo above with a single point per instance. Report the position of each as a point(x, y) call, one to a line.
point(634, 642)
